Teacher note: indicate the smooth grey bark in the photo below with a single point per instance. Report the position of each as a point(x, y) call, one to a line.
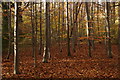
point(88, 24)
point(46, 48)
point(9, 30)
point(16, 39)
point(59, 31)
point(68, 37)
point(4, 24)
point(108, 33)
point(40, 45)
point(119, 27)
point(98, 21)
point(33, 34)
point(74, 26)
point(119, 41)
point(36, 24)
point(105, 28)
point(49, 32)
point(92, 25)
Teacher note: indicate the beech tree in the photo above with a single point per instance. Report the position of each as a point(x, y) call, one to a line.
point(46, 48)
point(88, 29)
point(119, 39)
point(68, 37)
point(119, 26)
point(33, 34)
point(16, 61)
point(4, 24)
point(9, 30)
point(40, 45)
point(108, 28)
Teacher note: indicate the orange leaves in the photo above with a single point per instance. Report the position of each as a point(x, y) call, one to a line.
point(5, 14)
point(102, 31)
point(25, 36)
point(82, 38)
point(93, 38)
point(79, 65)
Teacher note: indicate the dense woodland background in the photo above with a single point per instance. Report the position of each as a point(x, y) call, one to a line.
point(60, 39)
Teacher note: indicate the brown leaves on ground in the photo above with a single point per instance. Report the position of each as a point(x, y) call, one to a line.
point(79, 65)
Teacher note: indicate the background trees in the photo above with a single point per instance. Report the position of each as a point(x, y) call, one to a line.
point(68, 24)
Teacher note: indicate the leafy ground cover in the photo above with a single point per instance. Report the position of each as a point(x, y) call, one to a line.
point(60, 66)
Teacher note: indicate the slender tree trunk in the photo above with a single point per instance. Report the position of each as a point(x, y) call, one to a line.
point(98, 20)
point(92, 25)
point(40, 46)
point(4, 25)
point(74, 27)
point(33, 34)
point(113, 12)
point(119, 27)
point(49, 33)
point(88, 31)
point(68, 38)
point(62, 25)
point(16, 39)
point(119, 41)
point(45, 55)
point(36, 25)
point(1, 17)
point(55, 14)
point(59, 36)
point(105, 28)
point(9, 30)
point(108, 33)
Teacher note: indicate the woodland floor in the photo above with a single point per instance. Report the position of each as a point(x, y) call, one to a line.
point(79, 66)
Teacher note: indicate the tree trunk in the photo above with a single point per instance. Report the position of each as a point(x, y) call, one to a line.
point(98, 20)
point(9, 30)
point(46, 50)
point(1, 16)
point(16, 39)
point(4, 25)
point(36, 25)
point(108, 33)
point(74, 26)
point(119, 41)
point(88, 29)
point(92, 25)
point(59, 38)
point(68, 38)
point(33, 34)
point(40, 46)
point(119, 27)
point(113, 12)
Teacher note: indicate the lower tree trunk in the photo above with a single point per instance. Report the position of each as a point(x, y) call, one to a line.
point(108, 33)
point(40, 46)
point(16, 39)
point(33, 34)
point(68, 38)
point(4, 25)
point(9, 30)
point(46, 48)
point(119, 41)
point(88, 31)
